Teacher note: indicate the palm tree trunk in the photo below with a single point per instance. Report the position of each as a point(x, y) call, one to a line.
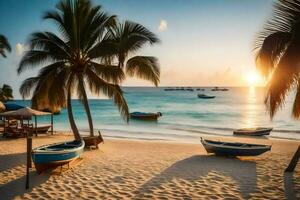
point(71, 118)
point(294, 161)
point(87, 107)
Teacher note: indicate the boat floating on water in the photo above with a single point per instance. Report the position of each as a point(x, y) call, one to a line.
point(219, 89)
point(57, 154)
point(204, 96)
point(145, 116)
point(259, 131)
point(234, 148)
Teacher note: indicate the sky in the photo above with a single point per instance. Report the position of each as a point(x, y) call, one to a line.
point(204, 42)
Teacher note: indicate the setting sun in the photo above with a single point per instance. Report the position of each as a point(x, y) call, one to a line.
point(253, 78)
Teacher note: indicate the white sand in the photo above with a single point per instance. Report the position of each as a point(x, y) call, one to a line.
point(123, 169)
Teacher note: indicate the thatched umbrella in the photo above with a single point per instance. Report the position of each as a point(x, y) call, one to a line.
point(26, 113)
point(2, 107)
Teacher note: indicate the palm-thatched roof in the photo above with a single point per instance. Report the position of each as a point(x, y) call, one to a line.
point(24, 112)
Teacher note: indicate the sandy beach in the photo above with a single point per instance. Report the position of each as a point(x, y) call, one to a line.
point(126, 169)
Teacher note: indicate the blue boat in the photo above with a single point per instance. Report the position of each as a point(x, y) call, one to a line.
point(12, 106)
point(57, 154)
point(234, 148)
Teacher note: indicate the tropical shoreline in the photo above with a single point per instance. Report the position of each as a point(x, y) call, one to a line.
point(136, 169)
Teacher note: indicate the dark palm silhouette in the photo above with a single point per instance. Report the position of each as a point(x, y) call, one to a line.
point(6, 93)
point(4, 45)
point(74, 60)
point(278, 59)
point(126, 39)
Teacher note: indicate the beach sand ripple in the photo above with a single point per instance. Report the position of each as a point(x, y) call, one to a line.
point(152, 170)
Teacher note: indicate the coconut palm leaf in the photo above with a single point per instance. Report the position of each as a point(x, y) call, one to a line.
point(279, 48)
point(144, 67)
point(130, 37)
point(98, 85)
point(4, 46)
point(271, 49)
point(109, 73)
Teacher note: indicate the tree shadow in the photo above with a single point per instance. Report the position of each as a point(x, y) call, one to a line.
point(17, 187)
point(9, 161)
point(289, 186)
point(197, 167)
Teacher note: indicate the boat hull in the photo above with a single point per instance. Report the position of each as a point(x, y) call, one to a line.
point(254, 132)
point(145, 116)
point(206, 97)
point(50, 156)
point(234, 149)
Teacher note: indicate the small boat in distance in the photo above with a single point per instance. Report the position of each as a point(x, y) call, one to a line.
point(145, 116)
point(234, 148)
point(219, 89)
point(189, 89)
point(57, 154)
point(259, 131)
point(169, 89)
point(204, 96)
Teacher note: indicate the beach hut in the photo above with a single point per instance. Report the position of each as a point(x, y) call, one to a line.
point(27, 114)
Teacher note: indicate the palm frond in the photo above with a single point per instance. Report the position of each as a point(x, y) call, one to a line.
point(144, 67)
point(35, 58)
point(104, 49)
point(57, 90)
point(271, 50)
point(27, 85)
point(47, 41)
point(109, 73)
point(283, 79)
point(4, 45)
point(286, 14)
point(130, 37)
point(98, 85)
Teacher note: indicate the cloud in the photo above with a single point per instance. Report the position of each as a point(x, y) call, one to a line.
point(163, 25)
point(20, 48)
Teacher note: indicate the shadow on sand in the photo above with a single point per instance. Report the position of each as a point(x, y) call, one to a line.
point(16, 187)
point(289, 186)
point(12, 160)
point(197, 167)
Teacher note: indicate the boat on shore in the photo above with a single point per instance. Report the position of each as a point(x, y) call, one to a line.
point(57, 154)
point(259, 131)
point(234, 148)
point(204, 96)
point(145, 116)
point(40, 129)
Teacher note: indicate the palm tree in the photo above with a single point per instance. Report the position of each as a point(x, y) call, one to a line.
point(4, 45)
point(6, 93)
point(278, 59)
point(122, 40)
point(74, 60)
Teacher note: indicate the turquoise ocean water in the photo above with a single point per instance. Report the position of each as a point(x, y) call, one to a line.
point(185, 117)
